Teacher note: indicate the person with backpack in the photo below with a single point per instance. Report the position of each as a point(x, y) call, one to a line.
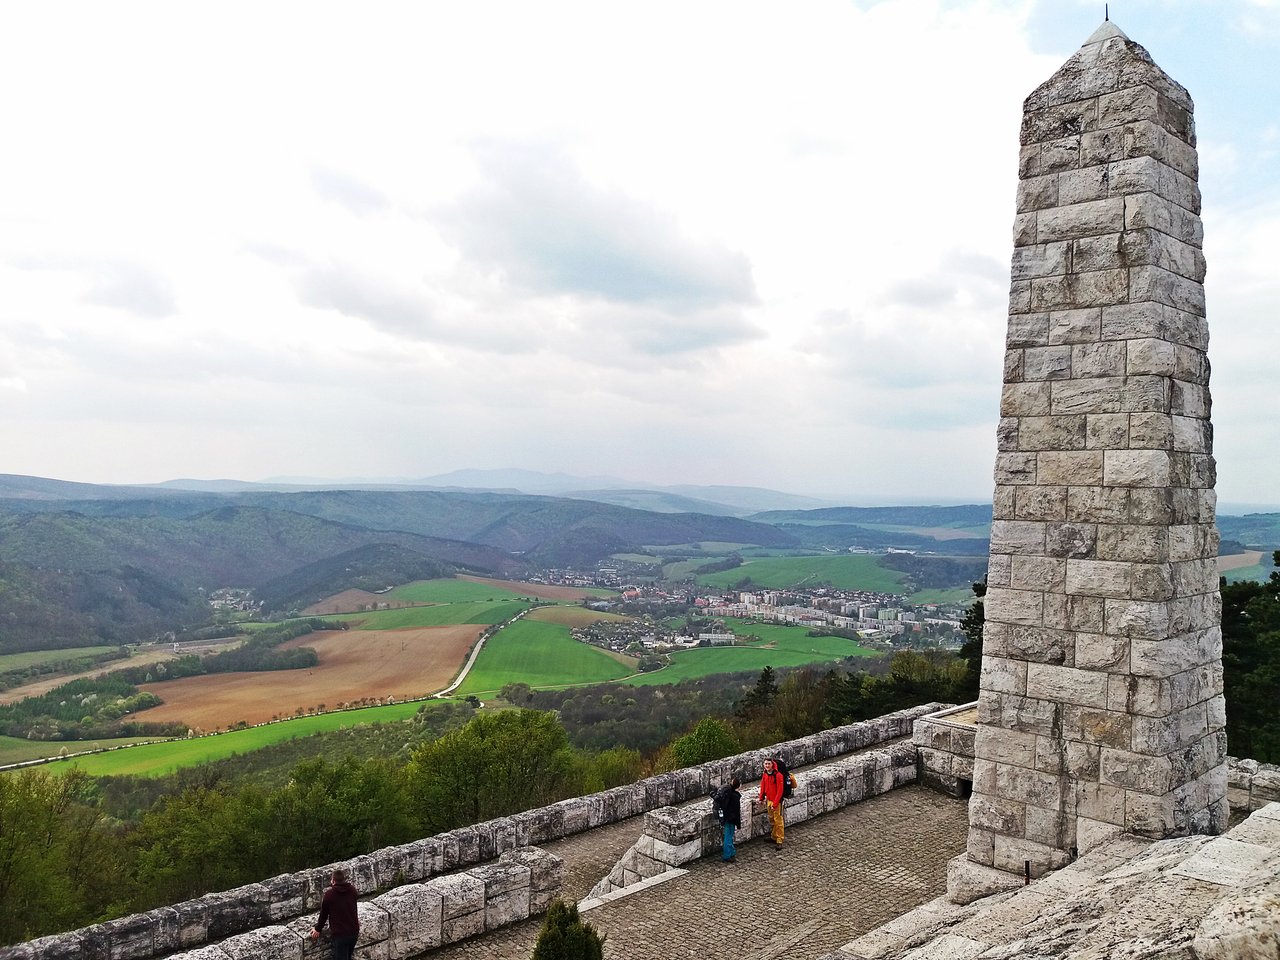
point(727, 804)
point(775, 786)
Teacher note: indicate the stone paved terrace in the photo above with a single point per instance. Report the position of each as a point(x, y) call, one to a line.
point(839, 876)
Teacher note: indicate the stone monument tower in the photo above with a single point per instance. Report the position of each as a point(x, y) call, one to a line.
point(1101, 708)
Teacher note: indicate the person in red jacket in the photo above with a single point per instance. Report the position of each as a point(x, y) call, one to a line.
point(772, 786)
point(338, 908)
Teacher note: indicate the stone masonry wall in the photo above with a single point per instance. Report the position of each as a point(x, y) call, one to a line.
point(1101, 706)
point(290, 901)
point(675, 836)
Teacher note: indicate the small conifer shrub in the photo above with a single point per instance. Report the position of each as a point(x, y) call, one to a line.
point(565, 936)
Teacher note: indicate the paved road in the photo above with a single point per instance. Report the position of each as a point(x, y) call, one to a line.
point(838, 877)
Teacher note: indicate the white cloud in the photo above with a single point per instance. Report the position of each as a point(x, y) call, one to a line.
point(727, 242)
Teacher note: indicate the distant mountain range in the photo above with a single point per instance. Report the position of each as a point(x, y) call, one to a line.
point(84, 563)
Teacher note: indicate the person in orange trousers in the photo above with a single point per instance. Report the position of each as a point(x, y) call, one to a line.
point(772, 785)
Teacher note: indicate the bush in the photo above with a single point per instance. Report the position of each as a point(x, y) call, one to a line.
point(564, 936)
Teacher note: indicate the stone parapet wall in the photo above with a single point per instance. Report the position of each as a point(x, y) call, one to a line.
point(945, 751)
point(279, 901)
point(1252, 785)
point(674, 836)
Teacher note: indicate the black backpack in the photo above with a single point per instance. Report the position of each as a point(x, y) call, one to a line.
point(786, 777)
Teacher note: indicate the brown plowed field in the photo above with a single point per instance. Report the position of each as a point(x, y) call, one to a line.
point(348, 601)
point(1234, 561)
point(544, 591)
point(354, 664)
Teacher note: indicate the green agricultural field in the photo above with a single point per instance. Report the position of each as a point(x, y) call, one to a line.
point(17, 750)
point(640, 559)
point(21, 661)
point(780, 646)
point(541, 655)
point(844, 571)
point(158, 759)
point(449, 591)
point(438, 615)
point(954, 595)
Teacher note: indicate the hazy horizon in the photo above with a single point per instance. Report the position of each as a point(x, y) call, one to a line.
point(664, 242)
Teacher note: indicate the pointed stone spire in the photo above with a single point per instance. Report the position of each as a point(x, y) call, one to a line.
point(1101, 706)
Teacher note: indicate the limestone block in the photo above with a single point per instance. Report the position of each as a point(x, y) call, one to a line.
point(265, 943)
point(660, 791)
point(671, 854)
point(1032, 787)
point(1243, 927)
point(1081, 220)
point(192, 919)
point(460, 895)
point(1098, 360)
point(1089, 395)
point(1021, 714)
point(1152, 581)
point(1070, 468)
point(1019, 296)
point(1003, 675)
point(1162, 286)
point(1017, 537)
point(1084, 615)
point(1133, 543)
point(390, 869)
point(1081, 185)
point(1014, 606)
point(1226, 861)
point(1100, 802)
point(1136, 772)
point(1037, 573)
point(1028, 399)
point(1071, 540)
point(1146, 394)
point(1012, 853)
point(128, 937)
point(1145, 210)
point(1097, 726)
point(1046, 363)
point(447, 843)
point(1191, 434)
point(461, 927)
point(1040, 260)
point(1152, 431)
point(1028, 330)
point(236, 911)
point(968, 881)
point(468, 839)
point(1051, 433)
point(1055, 828)
point(200, 953)
point(1025, 643)
point(414, 917)
point(577, 815)
point(1098, 578)
point(1084, 688)
point(1189, 400)
point(1075, 327)
point(1097, 504)
point(619, 802)
point(1151, 656)
point(675, 825)
point(1136, 468)
point(1150, 507)
point(1096, 289)
point(1160, 735)
point(1097, 651)
point(1153, 248)
point(1265, 788)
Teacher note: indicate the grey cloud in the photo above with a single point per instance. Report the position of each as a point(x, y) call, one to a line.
point(113, 283)
point(334, 288)
point(660, 334)
point(128, 287)
point(536, 219)
point(347, 191)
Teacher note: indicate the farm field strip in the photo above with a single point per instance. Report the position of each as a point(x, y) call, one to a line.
point(354, 665)
point(158, 759)
point(18, 750)
point(846, 572)
point(32, 658)
point(481, 612)
point(541, 655)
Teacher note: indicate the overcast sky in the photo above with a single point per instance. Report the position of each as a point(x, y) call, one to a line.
point(698, 242)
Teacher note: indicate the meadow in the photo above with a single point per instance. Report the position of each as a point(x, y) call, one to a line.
point(487, 611)
point(450, 591)
point(35, 658)
point(843, 571)
point(779, 646)
point(19, 750)
point(158, 759)
point(540, 654)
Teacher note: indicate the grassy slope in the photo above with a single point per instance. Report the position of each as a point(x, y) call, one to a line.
point(847, 572)
point(779, 646)
point(449, 591)
point(541, 655)
point(158, 759)
point(20, 661)
point(439, 615)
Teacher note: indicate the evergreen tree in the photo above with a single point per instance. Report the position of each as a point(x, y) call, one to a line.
point(565, 936)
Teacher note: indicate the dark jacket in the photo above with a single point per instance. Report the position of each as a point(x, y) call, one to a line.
point(338, 906)
point(727, 804)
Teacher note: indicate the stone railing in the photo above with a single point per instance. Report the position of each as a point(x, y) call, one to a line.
point(221, 917)
point(1251, 785)
point(674, 836)
point(945, 748)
